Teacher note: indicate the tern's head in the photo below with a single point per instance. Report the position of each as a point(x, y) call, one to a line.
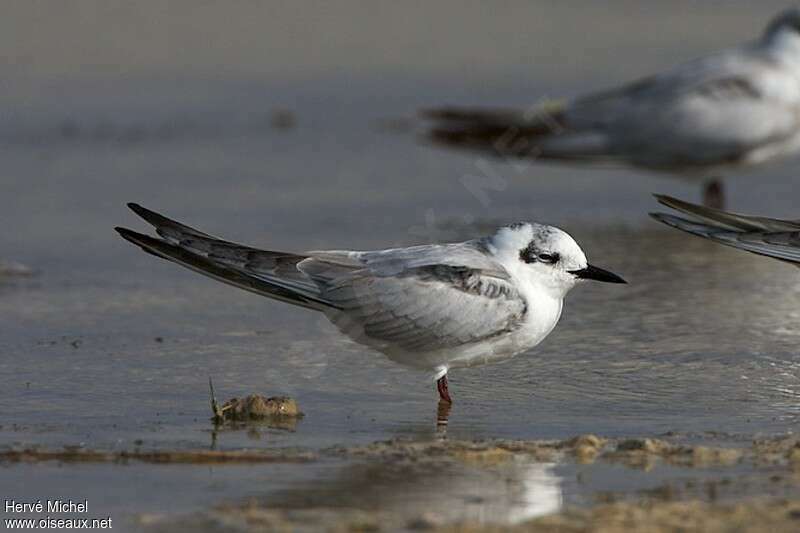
point(785, 24)
point(547, 256)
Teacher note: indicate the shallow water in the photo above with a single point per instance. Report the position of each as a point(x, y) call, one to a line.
point(110, 348)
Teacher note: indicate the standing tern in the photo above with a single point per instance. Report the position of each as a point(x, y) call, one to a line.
point(721, 113)
point(431, 307)
point(771, 237)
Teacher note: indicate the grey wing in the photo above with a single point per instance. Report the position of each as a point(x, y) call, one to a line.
point(321, 280)
point(710, 111)
point(425, 308)
point(472, 254)
point(770, 237)
point(269, 273)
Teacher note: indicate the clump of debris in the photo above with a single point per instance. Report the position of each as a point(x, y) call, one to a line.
point(253, 407)
point(13, 269)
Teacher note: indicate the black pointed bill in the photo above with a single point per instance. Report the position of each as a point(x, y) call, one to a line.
point(597, 274)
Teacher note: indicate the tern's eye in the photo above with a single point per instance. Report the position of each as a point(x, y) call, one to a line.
point(530, 255)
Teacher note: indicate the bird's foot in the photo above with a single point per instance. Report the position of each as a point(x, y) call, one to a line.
point(444, 393)
point(443, 416)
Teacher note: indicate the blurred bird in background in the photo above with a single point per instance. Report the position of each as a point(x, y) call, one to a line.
point(700, 120)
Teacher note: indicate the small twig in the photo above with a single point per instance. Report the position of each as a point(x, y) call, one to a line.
point(214, 406)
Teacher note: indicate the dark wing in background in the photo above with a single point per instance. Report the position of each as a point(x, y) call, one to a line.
point(771, 237)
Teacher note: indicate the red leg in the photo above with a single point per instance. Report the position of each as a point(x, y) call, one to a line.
point(714, 195)
point(441, 386)
point(442, 415)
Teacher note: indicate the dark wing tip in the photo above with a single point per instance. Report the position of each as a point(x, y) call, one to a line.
point(443, 113)
point(672, 202)
point(160, 222)
point(141, 211)
point(660, 197)
point(131, 236)
point(124, 232)
point(694, 209)
point(149, 244)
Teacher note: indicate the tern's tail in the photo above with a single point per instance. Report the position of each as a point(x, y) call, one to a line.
point(269, 273)
point(541, 132)
point(764, 236)
point(499, 132)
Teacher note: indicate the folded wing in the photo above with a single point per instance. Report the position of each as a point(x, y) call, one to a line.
point(419, 298)
point(425, 308)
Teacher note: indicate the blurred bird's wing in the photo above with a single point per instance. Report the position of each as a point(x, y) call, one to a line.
point(771, 237)
point(711, 111)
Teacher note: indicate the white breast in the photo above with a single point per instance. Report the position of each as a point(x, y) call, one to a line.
point(542, 317)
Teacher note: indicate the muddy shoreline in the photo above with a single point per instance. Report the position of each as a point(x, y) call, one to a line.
point(741, 487)
point(585, 449)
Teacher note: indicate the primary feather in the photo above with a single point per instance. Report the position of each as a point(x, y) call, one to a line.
point(770, 237)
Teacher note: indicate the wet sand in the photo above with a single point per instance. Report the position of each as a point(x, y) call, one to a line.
point(410, 485)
